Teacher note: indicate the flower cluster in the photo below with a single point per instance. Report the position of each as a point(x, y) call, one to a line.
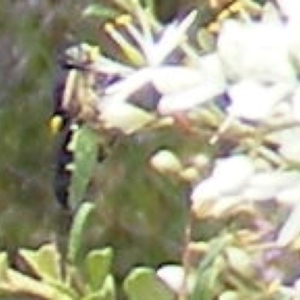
point(255, 64)
point(254, 67)
point(243, 96)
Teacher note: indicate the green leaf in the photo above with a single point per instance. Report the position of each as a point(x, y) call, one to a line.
point(107, 292)
point(45, 262)
point(143, 284)
point(208, 272)
point(17, 283)
point(97, 265)
point(207, 283)
point(97, 10)
point(85, 145)
point(77, 230)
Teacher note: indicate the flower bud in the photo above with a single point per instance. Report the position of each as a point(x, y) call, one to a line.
point(166, 162)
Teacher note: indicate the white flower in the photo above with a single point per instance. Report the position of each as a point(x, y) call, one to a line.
point(123, 88)
point(173, 276)
point(173, 35)
point(188, 88)
point(271, 185)
point(253, 100)
point(154, 48)
point(166, 79)
point(288, 142)
point(123, 116)
point(206, 83)
point(154, 44)
point(229, 177)
point(237, 182)
point(290, 8)
point(173, 79)
point(247, 50)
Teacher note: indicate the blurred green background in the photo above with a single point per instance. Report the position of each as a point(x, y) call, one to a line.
point(31, 32)
point(139, 212)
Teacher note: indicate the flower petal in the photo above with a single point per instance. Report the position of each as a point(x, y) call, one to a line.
point(229, 177)
point(171, 79)
point(255, 101)
point(291, 228)
point(125, 117)
point(172, 37)
point(206, 84)
point(247, 50)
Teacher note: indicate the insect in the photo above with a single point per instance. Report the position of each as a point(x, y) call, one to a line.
point(74, 101)
point(63, 160)
point(74, 92)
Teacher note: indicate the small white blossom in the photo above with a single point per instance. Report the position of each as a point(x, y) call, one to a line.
point(228, 178)
point(290, 196)
point(183, 101)
point(287, 140)
point(206, 83)
point(253, 100)
point(172, 36)
point(173, 276)
point(247, 50)
point(172, 79)
point(290, 8)
point(125, 87)
point(270, 185)
point(124, 116)
point(230, 174)
point(235, 181)
point(154, 48)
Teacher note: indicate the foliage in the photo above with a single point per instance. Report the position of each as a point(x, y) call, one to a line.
point(205, 130)
point(51, 277)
